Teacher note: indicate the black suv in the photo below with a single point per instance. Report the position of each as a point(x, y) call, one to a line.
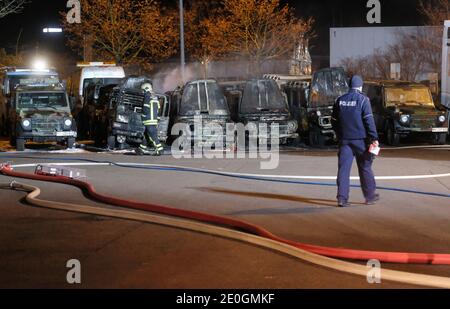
point(405, 108)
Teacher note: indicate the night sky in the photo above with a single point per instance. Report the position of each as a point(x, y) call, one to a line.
point(328, 13)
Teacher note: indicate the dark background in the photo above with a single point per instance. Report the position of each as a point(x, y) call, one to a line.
point(328, 13)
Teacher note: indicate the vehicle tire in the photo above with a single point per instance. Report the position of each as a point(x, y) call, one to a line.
point(70, 142)
point(20, 144)
point(440, 138)
point(111, 142)
point(12, 141)
point(393, 138)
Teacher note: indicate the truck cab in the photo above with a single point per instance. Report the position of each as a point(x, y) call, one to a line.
point(123, 114)
point(41, 113)
point(90, 75)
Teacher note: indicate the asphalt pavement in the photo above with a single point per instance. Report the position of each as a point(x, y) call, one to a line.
point(35, 244)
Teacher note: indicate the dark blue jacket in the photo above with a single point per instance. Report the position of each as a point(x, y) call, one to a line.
point(352, 117)
point(150, 110)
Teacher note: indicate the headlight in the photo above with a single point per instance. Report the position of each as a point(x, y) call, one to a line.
point(319, 113)
point(404, 119)
point(442, 118)
point(26, 124)
point(68, 123)
point(292, 126)
point(123, 118)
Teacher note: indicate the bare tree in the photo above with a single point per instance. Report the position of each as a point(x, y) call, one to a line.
point(435, 11)
point(11, 6)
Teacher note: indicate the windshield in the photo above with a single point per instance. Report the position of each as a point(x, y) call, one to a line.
point(203, 98)
point(263, 96)
point(327, 86)
point(55, 101)
point(100, 81)
point(408, 96)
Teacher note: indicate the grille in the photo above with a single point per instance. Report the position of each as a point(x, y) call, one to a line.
point(47, 125)
point(133, 99)
point(423, 122)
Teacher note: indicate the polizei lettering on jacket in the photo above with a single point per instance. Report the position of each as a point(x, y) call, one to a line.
point(348, 103)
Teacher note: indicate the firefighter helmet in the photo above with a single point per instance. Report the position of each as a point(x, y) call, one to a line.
point(147, 87)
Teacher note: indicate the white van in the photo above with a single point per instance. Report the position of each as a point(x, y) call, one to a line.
point(93, 73)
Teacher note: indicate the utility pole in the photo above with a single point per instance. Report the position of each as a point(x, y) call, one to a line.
point(183, 56)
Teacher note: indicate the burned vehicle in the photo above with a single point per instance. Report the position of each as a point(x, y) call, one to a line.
point(201, 103)
point(41, 113)
point(402, 109)
point(122, 119)
point(313, 103)
point(263, 103)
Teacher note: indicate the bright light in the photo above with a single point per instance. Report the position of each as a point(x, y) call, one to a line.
point(40, 64)
point(52, 30)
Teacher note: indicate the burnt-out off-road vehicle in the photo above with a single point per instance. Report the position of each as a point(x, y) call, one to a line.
point(313, 102)
point(406, 108)
point(263, 103)
point(200, 107)
point(122, 118)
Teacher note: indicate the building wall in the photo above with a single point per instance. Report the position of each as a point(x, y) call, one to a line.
point(363, 41)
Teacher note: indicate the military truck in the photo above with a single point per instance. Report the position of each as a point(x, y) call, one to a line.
point(41, 113)
point(11, 79)
point(122, 118)
point(263, 103)
point(313, 101)
point(201, 99)
point(403, 108)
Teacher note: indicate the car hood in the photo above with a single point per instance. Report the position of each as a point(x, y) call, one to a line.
point(44, 114)
point(419, 110)
point(266, 117)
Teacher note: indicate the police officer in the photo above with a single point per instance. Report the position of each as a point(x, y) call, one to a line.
point(150, 120)
point(354, 125)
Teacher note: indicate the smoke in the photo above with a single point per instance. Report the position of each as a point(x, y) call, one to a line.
point(168, 76)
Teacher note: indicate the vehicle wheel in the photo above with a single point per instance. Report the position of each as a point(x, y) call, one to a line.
point(111, 142)
point(70, 143)
point(440, 139)
point(393, 138)
point(20, 144)
point(12, 141)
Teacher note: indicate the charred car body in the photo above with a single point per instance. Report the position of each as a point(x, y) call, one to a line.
point(201, 105)
point(313, 103)
point(41, 113)
point(263, 103)
point(122, 117)
point(405, 108)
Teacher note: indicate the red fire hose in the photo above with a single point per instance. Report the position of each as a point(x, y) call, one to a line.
point(387, 257)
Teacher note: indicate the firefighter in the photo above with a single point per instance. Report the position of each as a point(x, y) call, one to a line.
point(355, 128)
point(150, 120)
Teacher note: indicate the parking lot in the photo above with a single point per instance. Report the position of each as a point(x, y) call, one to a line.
point(37, 243)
